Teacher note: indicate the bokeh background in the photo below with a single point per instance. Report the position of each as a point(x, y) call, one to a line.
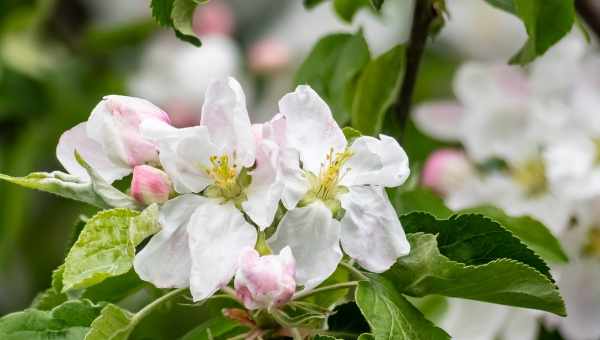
point(59, 57)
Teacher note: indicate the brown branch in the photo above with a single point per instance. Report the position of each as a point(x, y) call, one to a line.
point(423, 16)
point(589, 10)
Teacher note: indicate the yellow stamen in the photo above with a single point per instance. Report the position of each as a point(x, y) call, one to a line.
point(225, 174)
point(330, 174)
point(592, 246)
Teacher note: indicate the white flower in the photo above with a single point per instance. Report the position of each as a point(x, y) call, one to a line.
point(267, 281)
point(322, 175)
point(110, 141)
point(203, 236)
point(446, 170)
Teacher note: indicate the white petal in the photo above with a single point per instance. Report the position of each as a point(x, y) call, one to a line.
point(218, 234)
point(184, 153)
point(440, 120)
point(371, 231)
point(311, 127)
point(473, 320)
point(165, 260)
point(520, 324)
point(376, 162)
point(265, 189)
point(295, 183)
point(314, 238)
point(77, 139)
point(224, 113)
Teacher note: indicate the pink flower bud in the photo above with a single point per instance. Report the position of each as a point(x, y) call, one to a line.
point(115, 124)
point(150, 185)
point(267, 281)
point(214, 17)
point(268, 56)
point(445, 170)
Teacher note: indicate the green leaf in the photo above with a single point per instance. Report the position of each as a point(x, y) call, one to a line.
point(114, 289)
point(351, 133)
point(346, 9)
point(69, 321)
point(421, 200)
point(474, 240)
point(532, 232)
point(366, 336)
point(52, 296)
point(215, 328)
point(376, 89)
point(546, 22)
point(331, 70)
point(102, 250)
point(324, 337)
point(312, 3)
point(182, 15)
point(114, 323)
point(377, 4)
point(161, 11)
point(503, 281)
point(68, 186)
point(390, 315)
point(144, 225)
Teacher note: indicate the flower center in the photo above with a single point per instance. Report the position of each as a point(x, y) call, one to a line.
point(326, 186)
point(229, 183)
point(531, 175)
point(592, 246)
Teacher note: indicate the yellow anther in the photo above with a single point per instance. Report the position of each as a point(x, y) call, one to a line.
point(225, 175)
point(330, 174)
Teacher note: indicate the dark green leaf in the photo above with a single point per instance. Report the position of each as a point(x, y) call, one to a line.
point(376, 90)
point(532, 232)
point(215, 328)
point(161, 11)
point(504, 281)
point(312, 3)
point(377, 4)
point(114, 289)
point(390, 315)
point(331, 69)
point(474, 240)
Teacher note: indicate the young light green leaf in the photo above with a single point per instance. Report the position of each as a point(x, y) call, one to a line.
point(421, 200)
point(474, 240)
point(532, 232)
point(144, 225)
point(376, 89)
point(390, 315)
point(102, 250)
point(114, 323)
point(161, 11)
point(351, 133)
point(69, 321)
point(331, 69)
point(109, 194)
point(346, 9)
point(215, 328)
point(546, 22)
point(503, 281)
point(182, 15)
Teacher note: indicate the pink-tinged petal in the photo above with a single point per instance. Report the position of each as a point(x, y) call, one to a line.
point(441, 120)
point(224, 114)
point(267, 281)
point(215, 17)
point(446, 170)
point(166, 260)
point(266, 189)
point(115, 124)
point(376, 162)
point(314, 238)
point(371, 231)
point(268, 56)
point(150, 185)
point(77, 139)
point(218, 234)
point(311, 127)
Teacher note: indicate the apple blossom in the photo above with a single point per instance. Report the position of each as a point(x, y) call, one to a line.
point(268, 56)
point(150, 185)
point(110, 141)
point(221, 173)
point(446, 169)
point(267, 281)
point(335, 192)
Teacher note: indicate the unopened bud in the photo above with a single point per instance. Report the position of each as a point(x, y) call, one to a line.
point(150, 185)
point(446, 169)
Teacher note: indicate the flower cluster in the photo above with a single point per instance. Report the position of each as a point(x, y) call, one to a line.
point(531, 146)
point(221, 183)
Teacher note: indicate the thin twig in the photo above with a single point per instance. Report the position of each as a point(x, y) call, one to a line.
point(354, 271)
point(154, 304)
point(336, 286)
point(423, 16)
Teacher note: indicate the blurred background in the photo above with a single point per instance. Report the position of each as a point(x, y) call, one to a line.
point(59, 57)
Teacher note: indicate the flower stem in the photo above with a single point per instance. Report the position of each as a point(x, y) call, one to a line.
point(354, 271)
point(336, 286)
point(153, 305)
